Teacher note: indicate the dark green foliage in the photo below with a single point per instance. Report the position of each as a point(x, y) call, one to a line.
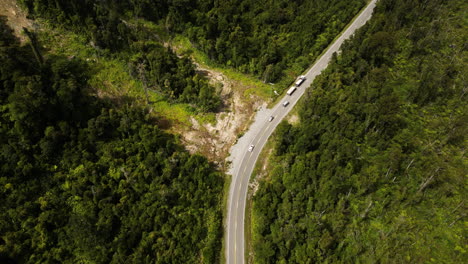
point(265, 37)
point(105, 24)
point(82, 181)
point(163, 71)
point(272, 40)
point(100, 20)
point(261, 37)
point(376, 171)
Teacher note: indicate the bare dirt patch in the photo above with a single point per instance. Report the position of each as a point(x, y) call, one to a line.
point(293, 119)
point(212, 140)
point(215, 140)
point(16, 18)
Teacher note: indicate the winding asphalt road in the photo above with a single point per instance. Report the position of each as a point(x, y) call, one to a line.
point(242, 168)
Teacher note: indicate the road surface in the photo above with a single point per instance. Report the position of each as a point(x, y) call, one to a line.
point(242, 167)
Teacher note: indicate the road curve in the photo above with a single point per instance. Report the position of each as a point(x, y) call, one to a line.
point(242, 167)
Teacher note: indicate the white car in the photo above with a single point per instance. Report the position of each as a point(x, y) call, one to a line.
point(271, 118)
point(299, 82)
point(286, 103)
point(251, 148)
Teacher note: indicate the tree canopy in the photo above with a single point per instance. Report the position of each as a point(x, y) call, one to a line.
point(272, 40)
point(87, 181)
point(376, 170)
point(109, 27)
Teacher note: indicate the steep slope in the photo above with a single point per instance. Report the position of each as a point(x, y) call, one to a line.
point(123, 39)
point(86, 180)
point(15, 18)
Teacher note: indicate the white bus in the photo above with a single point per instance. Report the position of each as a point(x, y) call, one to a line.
point(291, 90)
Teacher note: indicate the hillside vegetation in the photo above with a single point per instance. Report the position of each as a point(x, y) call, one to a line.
point(105, 26)
point(132, 47)
point(272, 40)
point(376, 170)
point(84, 180)
point(87, 176)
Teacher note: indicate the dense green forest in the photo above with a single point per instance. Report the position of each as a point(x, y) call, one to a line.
point(268, 39)
point(376, 170)
point(158, 67)
point(86, 181)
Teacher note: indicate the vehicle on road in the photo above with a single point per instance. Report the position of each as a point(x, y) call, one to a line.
point(243, 165)
point(271, 118)
point(291, 90)
point(301, 79)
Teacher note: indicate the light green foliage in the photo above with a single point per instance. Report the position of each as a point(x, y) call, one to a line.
point(127, 50)
point(258, 87)
point(271, 41)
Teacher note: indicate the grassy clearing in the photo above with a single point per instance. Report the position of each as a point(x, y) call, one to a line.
point(206, 118)
point(255, 86)
point(110, 76)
